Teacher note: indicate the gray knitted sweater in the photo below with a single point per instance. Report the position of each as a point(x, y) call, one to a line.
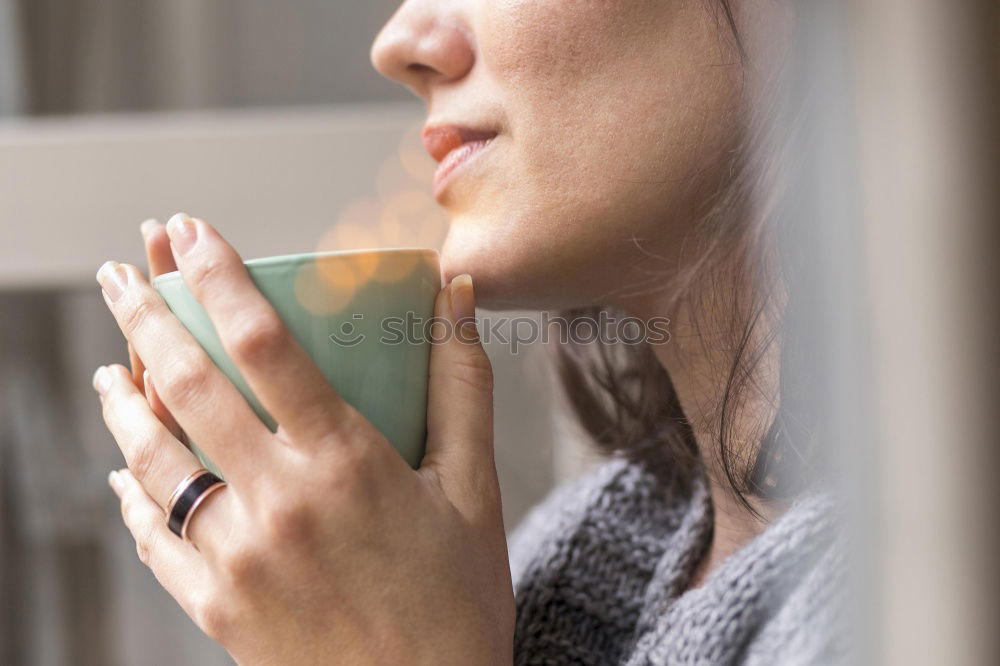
point(601, 566)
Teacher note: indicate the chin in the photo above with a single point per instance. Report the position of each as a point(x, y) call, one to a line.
point(510, 271)
point(494, 269)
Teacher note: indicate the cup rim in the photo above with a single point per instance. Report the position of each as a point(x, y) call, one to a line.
point(299, 257)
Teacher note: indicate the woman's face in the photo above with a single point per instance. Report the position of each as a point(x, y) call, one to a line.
point(578, 139)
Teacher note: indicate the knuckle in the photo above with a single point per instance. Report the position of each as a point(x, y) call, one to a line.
point(145, 542)
point(185, 380)
point(109, 406)
point(289, 524)
point(130, 512)
point(146, 457)
point(213, 615)
point(354, 475)
point(135, 317)
point(347, 467)
point(127, 509)
point(257, 338)
point(120, 407)
point(142, 551)
point(242, 567)
point(473, 370)
point(208, 272)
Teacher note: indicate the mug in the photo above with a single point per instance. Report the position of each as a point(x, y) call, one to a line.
point(362, 315)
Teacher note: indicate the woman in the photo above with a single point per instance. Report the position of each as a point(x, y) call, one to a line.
point(593, 155)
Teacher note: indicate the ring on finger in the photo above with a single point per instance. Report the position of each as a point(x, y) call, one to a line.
point(187, 497)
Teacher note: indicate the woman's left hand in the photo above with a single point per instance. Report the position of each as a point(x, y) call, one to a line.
point(325, 547)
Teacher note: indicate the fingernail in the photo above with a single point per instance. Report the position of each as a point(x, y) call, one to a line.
point(148, 226)
point(463, 305)
point(115, 481)
point(147, 386)
point(102, 379)
point(183, 232)
point(113, 279)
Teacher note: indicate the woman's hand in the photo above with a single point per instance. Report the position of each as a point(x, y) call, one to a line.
point(325, 547)
point(160, 260)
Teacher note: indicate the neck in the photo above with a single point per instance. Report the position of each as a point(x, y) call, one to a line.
point(698, 358)
point(733, 527)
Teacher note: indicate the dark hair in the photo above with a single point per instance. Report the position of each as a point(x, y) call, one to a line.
point(621, 393)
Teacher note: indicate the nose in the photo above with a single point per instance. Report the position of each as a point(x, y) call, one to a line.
point(425, 43)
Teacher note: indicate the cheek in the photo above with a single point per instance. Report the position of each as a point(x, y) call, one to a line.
point(559, 67)
point(534, 40)
point(612, 106)
point(635, 85)
point(550, 49)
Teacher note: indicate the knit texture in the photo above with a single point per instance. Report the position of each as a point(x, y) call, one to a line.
point(600, 569)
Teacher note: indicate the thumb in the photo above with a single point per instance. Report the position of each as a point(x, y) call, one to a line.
point(460, 403)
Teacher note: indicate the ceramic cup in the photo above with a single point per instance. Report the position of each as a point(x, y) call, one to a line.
point(361, 315)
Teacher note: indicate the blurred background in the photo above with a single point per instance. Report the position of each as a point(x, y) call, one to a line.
point(267, 119)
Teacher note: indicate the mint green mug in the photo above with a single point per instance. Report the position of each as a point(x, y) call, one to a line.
point(361, 315)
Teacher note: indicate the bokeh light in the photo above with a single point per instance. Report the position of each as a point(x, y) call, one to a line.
point(401, 213)
point(414, 158)
point(323, 289)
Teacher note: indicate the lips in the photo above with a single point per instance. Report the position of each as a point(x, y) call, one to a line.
point(452, 146)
